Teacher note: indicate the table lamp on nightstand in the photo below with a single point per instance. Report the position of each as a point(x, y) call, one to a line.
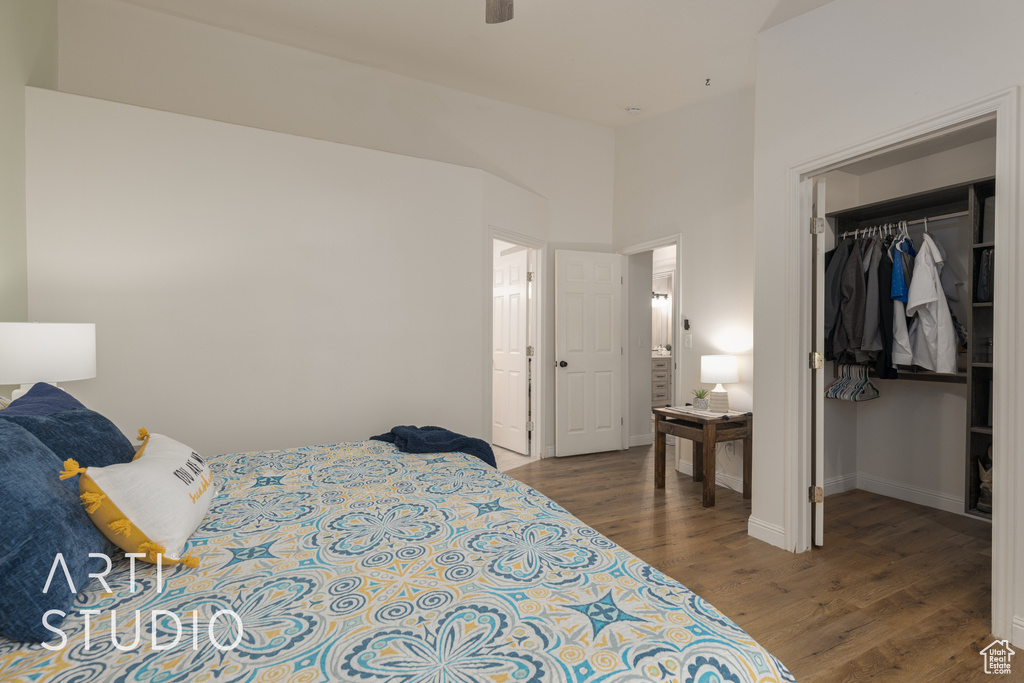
point(719, 370)
point(46, 352)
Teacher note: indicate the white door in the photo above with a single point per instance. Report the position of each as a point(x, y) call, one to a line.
point(588, 352)
point(511, 365)
point(818, 373)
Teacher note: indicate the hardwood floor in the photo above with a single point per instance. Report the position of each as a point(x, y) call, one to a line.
point(899, 592)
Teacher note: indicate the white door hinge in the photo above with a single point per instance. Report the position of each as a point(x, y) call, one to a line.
point(816, 494)
point(529, 426)
point(816, 360)
point(529, 276)
point(817, 226)
point(529, 351)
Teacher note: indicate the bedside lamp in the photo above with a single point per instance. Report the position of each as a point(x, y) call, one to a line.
point(719, 370)
point(46, 352)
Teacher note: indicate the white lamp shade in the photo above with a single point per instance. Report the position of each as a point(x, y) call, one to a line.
point(47, 352)
point(719, 369)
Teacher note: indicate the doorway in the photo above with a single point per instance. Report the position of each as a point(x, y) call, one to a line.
point(810, 425)
point(894, 423)
point(652, 350)
point(513, 344)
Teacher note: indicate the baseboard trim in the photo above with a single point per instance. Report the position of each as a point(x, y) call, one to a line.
point(769, 533)
point(1017, 632)
point(641, 440)
point(911, 494)
point(840, 484)
point(721, 478)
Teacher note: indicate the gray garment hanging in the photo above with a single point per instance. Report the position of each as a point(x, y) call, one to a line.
point(872, 315)
point(833, 291)
point(849, 332)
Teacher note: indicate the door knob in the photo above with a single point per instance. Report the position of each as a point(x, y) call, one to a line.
point(562, 364)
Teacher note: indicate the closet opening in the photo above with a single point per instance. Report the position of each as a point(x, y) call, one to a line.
point(902, 420)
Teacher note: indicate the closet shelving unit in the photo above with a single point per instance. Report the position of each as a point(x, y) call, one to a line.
point(981, 366)
point(976, 366)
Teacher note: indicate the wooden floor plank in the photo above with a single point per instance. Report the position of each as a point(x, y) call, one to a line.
point(900, 592)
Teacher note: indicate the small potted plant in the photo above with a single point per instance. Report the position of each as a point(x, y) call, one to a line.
point(700, 398)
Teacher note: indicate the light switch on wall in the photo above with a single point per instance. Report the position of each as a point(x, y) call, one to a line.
point(687, 341)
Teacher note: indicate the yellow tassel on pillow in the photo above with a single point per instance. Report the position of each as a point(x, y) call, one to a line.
point(144, 438)
point(121, 526)
point(92, 501)
point(190, 561)
point(71, 468)
point(152, 549)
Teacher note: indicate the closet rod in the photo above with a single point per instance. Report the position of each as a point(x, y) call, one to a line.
point(918, 221)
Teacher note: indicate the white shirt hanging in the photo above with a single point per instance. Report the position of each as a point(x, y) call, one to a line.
point(901, 352)
point(932, 336)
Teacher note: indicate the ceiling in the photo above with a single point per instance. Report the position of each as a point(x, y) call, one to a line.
point(585, 59)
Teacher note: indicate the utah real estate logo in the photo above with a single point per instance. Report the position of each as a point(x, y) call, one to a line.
point(997, 657)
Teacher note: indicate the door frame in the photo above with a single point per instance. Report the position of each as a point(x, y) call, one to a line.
point(675, 240)
point(1008, 385)
point(535, 315)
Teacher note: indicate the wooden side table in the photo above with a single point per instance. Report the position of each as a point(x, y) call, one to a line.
point(704, 432)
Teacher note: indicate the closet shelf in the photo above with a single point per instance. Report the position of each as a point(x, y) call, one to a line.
point(915, 375)
point(982, 245)
point(978, 429)
point(983, 304)
point(929, 376)
point(982, 365)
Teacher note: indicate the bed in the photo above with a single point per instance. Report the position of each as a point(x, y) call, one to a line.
point(358, 562)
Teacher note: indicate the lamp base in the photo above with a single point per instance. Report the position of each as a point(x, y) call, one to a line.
point(21, 391)
point(24, 389)
point(719, 402)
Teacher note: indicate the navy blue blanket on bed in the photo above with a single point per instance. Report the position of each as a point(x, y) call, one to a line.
point(437, 440)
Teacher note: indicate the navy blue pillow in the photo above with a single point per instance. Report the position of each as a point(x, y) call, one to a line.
point(42, 516)
point(42, 399)
point(68, 428)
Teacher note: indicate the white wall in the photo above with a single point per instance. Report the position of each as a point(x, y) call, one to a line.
point(28, 55)
point(124, 53)
point(952, 167)
point(914, 59)
point(120, 52)
point(688, 173)
point(253, 289)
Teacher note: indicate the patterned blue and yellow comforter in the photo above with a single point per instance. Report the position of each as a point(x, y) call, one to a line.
point(354, 562)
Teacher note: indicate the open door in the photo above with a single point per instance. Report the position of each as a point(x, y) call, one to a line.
point(588, 352)
point(510, 360)
point(817, 493)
